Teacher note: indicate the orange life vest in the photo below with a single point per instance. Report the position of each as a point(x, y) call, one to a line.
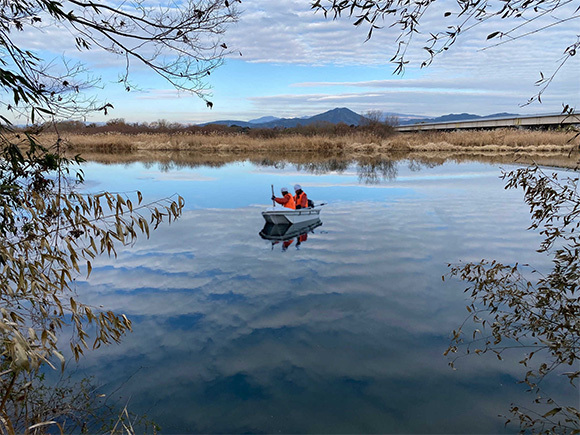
point(287, 201)
point(301, 200)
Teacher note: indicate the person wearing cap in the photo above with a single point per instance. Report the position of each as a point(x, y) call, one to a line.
point(287, 200)
point(300, 198)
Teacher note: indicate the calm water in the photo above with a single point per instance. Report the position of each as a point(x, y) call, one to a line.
point(344, 333)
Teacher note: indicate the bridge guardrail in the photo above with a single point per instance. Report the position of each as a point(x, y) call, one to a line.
point(521, 121)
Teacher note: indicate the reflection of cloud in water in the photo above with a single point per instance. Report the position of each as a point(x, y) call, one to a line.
point(345, 335)
point(408, 179)
point(178, 176)
point(376, 172)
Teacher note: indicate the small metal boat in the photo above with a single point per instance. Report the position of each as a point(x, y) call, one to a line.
point(287, 216)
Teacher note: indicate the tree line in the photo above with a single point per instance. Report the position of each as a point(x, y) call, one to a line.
point(371, 126)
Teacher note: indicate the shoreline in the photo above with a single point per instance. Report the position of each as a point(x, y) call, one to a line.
point(324, 162)
point(546, 148)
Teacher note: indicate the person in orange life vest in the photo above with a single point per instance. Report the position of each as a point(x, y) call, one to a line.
point(300, 197)
point(287, 200)
point(287, 244)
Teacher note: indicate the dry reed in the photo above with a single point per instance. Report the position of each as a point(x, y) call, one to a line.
point(500, 140)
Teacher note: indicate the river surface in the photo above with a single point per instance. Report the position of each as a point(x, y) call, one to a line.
point(343, 332)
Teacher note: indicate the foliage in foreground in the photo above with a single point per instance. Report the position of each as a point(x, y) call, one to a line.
point(49, 230)
point(540, 316)
point(49, 233)
point(39, 406)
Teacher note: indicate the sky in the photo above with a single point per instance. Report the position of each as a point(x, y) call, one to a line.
point(288, 61)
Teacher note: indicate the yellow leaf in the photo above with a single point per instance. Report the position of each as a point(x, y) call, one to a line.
point(551, 412)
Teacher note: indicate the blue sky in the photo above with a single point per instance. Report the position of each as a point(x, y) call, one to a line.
point(296, 63)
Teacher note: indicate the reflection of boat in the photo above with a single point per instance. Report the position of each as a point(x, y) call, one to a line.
point(287, 231)
point(278, 216)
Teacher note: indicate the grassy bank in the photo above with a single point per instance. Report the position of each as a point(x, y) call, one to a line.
point(354, 144)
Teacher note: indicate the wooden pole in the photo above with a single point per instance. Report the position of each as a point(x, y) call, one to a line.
point(273, 202)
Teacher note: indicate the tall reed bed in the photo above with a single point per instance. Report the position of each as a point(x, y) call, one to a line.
point(492, 140)
point(358, 143)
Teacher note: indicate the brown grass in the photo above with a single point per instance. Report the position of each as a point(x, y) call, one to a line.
point(236, 143)
point(491, 140)
point(360, 143)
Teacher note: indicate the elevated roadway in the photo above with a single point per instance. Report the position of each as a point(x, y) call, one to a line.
point(538, 121)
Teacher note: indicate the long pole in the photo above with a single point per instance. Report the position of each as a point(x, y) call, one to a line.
point(273, 202)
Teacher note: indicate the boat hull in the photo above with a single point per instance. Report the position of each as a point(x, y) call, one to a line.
point(285, 232)
point(289, 216)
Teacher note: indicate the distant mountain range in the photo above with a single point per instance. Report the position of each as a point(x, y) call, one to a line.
point(263, 120)
point(333, 116)
point(347, 116)
point(457, 117)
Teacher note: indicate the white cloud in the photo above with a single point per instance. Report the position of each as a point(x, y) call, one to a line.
point(289, 32)
point(418, 101)
point(181, 176)
point(468, 77)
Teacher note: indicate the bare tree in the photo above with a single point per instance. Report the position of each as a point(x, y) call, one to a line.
point(372, 117)
point(376, 122)
point(180, 42)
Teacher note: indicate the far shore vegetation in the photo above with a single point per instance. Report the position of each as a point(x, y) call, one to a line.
point(373, 137)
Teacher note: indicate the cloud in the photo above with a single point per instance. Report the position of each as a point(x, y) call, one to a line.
point(348, 329)
point(424, 101)
point(338, 68)
point(468, 77)
point(288, 32)
point(178, 176)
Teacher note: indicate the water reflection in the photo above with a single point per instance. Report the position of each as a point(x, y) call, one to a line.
point(288, 234)
point(346, 336)
point(369, 169)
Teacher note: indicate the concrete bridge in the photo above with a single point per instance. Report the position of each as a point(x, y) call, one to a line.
point(541, 121)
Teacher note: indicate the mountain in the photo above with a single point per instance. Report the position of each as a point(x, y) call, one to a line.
point(349, 117)
point(263, 119)
point(457, 117)
point(333, 116)
point(336, 116)
point(229, 123)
